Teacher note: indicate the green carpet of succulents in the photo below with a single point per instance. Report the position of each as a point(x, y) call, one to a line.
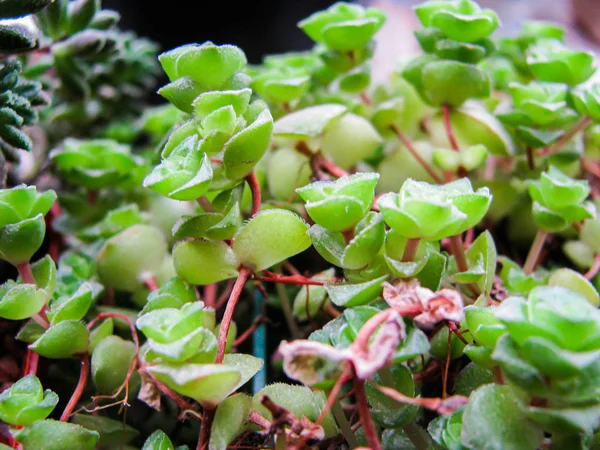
point(288, 255)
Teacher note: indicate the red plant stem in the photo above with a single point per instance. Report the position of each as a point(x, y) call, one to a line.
point(31, 363)
point(246, 334)
point(565, 138)
point(330, 309)
point(433, 404)
point(256, 194)
point(594, 269)
point(26, 273)
point(205, 204)
point(299, 280)
point(55, 238)
point(469, 237)
point(447, 366)
point(458, 250)
point(224, 296)
point(207, 419)
point(534, 252)
point(332, 168)
point(365, 415)
point(410, 250)
point(413, 151)
point(335, 390)
point(448, 126)
point(151, 283)
point(210, 294)
point(243, 277)
point(530, 158)
point(83, 376)
point(590, 167)
point(365, 98)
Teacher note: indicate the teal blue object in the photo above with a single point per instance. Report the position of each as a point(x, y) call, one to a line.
point(259, 343)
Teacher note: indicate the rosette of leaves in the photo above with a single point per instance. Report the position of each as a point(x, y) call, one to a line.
point(559, 200)
point(184, 335)
point(194, 69)
point(185, 174)
point(457, 30)
point(341, 204)
point(460, 20)
point(343, 27)
point(94, 164)
point(426, 211)
point(344, 36)
point(515, 48)
point(281, 85)
point(19, 99)
point(539, 111)
point(550, 350)
point(550, 60)
point(18, 37)
point(455, 37)
point(22, 226)
point(26, 402)
point(233, 132)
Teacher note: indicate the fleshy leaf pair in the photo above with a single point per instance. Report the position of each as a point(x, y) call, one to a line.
point(343, 27)
point(559, 200)
point(269, 238)
point(180, 335)
point(425, 211)
point(339, 205)
point(94, 164)
point(22, 226)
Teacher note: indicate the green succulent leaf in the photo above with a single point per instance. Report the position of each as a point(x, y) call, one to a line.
point(494, 420)
point(270, 237)
point(54, 435)
point(62, 340)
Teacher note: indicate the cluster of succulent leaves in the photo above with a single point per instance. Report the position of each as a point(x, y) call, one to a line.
point(300, 188)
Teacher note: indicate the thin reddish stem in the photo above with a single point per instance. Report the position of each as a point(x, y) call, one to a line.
point(448, 126)
point(565, 138)
point(330, 167)
point(136, 341)
point(365, 415)
point(205, 204)
point(272, 277)
point(256, 194)
point(207, 419)
point(84, 372)
point(410, 250)
point(439, 405)
point(26, 273)
point(366, 99)
point(243, 277)
point(335, 390)
point(413, 151)
point(224, 296)
point(31, 363)
point(594, 269)
point(151, 284)
point(210, 294)
point(246, 334)
point(458, 250)
point(534, 252)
